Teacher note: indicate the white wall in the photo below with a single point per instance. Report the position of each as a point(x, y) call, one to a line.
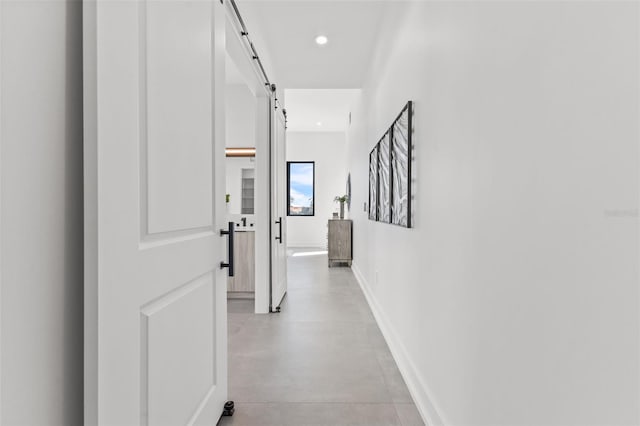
point(328, 150)
point(240, 120)
point(41, 213)
point(514, 301)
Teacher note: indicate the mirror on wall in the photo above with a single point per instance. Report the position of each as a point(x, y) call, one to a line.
point(240, 129)
point(240, 185)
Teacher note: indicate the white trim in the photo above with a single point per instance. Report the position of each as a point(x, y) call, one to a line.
point(261, 194)
point(1, 3)
point(90, 190)
point(417, 388)
point(307, 245)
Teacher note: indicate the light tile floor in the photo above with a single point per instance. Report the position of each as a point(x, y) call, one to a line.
point(321, 361)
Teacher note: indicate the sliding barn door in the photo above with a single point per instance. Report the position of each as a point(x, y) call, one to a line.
point(155, 295)
point(278, 207)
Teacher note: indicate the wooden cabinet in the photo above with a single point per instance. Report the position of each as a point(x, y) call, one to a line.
point(242, 284)
point(340, 241)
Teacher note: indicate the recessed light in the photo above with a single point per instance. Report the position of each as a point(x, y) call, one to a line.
point(319, 124)
point(321, 40)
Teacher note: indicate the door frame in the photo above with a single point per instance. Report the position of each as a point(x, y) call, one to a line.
point(241, 50)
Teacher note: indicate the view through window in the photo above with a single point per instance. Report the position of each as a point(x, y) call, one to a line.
point(300, 188)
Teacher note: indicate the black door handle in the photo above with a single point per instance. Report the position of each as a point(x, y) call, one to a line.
point(279, 237)
point(230, 233)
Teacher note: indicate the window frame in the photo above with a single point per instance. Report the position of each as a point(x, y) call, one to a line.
point(313, 196)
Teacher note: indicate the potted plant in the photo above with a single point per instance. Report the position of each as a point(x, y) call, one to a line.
point(341, 199)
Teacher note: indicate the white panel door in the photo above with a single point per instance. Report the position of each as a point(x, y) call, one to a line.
point(155, 294)
point(278, 207)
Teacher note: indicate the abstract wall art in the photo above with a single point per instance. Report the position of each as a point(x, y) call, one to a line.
point(384, 179)
point(373, 183)
point(390, 172)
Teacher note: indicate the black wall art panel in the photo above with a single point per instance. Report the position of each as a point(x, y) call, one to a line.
point(373, 184)
point(400, 164)
point(384, 179)
point(390, 173)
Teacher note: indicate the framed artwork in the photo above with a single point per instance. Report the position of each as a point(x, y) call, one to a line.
point(390, 172)
point(401, 169)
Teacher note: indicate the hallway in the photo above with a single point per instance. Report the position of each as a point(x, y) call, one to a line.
point(321, 361)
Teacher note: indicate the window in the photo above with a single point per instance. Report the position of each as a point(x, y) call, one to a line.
point(300, 188)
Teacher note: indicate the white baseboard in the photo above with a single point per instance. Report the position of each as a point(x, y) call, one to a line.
point(417, 388)
point(322, 246)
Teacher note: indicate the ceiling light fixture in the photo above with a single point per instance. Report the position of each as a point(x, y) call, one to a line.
point(319, 123)
point(321, 40)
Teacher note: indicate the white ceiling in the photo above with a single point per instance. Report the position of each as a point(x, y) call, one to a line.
point(308, 107)
point(284, 33)
point(319, 82)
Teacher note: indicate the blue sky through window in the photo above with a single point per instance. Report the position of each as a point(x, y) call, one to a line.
point(300, 188)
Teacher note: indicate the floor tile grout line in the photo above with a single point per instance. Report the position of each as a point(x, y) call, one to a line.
point(240, 402)
point(340, 287)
